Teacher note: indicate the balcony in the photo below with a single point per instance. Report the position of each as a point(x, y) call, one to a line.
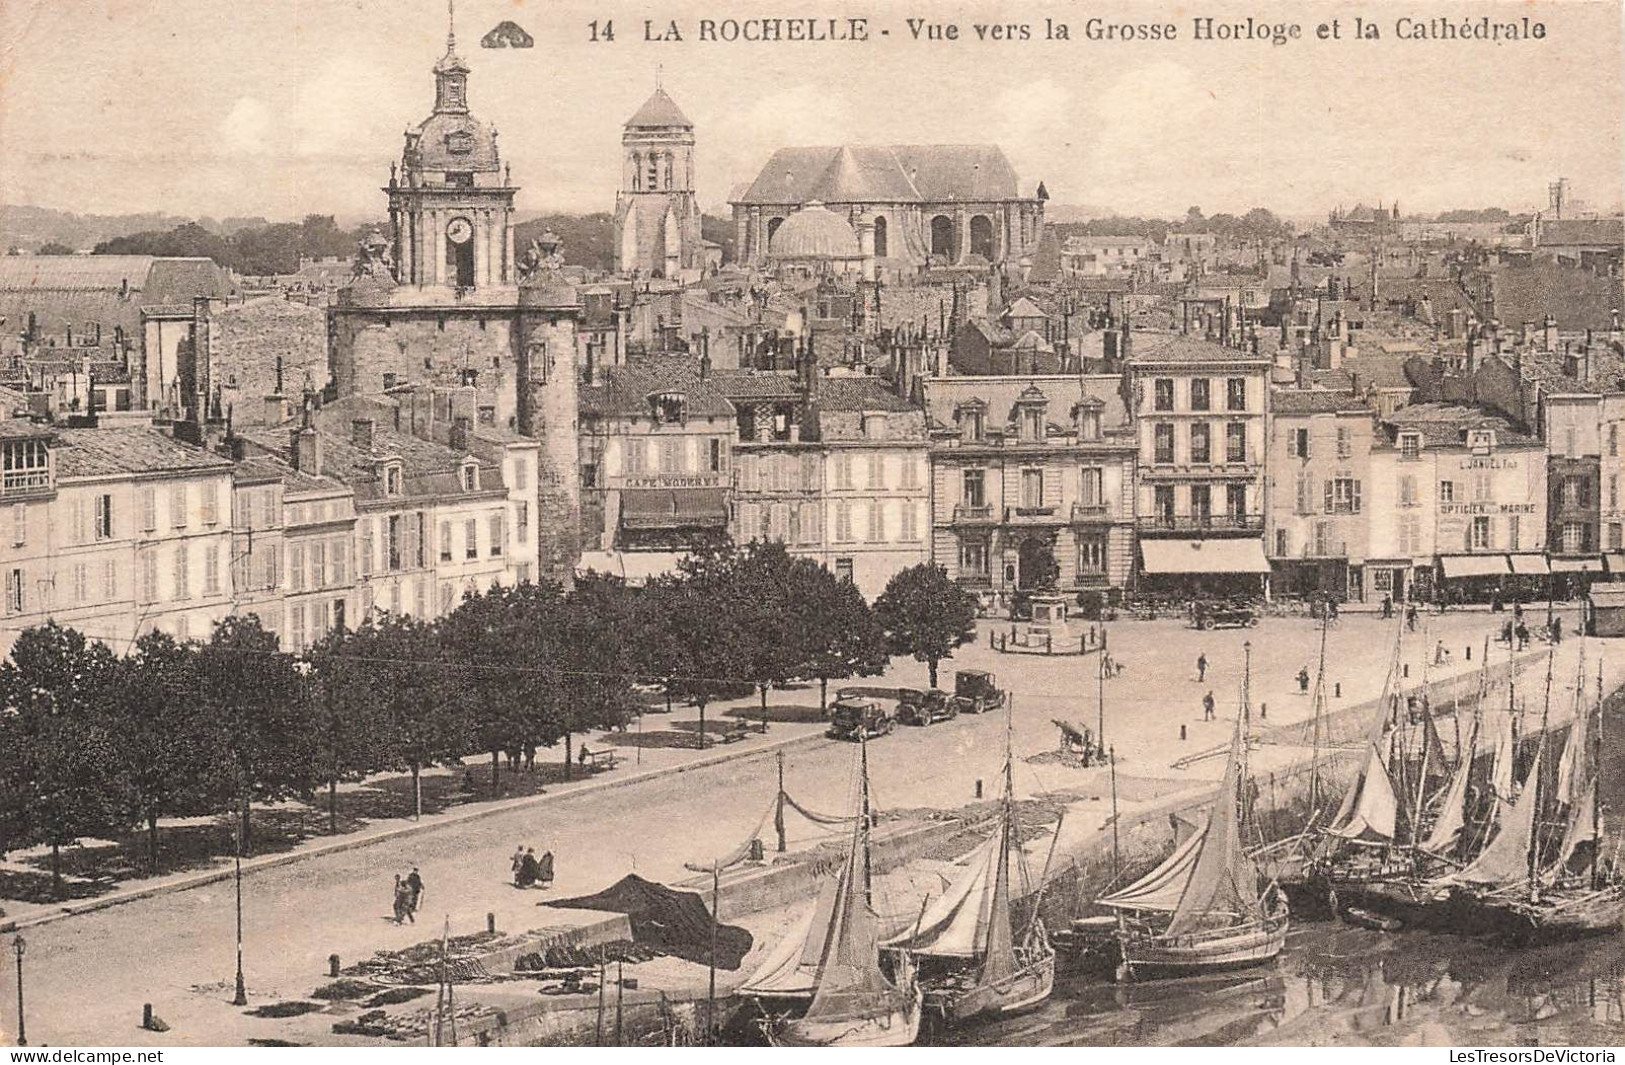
point(1087, 512)
point(975, 580)
point(973, 514)
point(1033, 516)
point(1184, 523)
point(1324, 549)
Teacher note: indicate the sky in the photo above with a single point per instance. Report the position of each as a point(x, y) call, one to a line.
point(279, 108)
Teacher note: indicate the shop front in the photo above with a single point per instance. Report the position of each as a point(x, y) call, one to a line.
point(1204, 569)
point(1472, 578)
point(1572, 577)
point(1530, 580)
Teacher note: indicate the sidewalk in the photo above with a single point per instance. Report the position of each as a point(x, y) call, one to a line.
point(21, 915)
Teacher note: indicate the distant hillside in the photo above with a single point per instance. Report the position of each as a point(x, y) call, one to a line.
point(30, 228)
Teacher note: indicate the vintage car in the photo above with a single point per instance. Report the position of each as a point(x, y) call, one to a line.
point(1212, 615)
point(922, 706)
point(854, 717)
point(976, 691)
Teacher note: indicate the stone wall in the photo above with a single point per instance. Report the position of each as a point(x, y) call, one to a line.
point(429, 349)
point(248, 341)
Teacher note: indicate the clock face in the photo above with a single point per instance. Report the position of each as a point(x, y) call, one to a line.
point(459, 231)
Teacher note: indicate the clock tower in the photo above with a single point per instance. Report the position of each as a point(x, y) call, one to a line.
point(450, 200)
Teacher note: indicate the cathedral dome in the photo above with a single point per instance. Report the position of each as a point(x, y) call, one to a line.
point(815, 232)
point(452, 140)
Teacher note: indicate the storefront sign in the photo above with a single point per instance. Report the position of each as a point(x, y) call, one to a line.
point(1479, 510)
point(671, 482)
point(1479, 463)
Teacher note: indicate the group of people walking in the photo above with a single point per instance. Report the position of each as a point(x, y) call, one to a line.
point(408, 894)
point(530, 871)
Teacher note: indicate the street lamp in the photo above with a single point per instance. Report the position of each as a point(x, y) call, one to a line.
point(20, 945)
point(241, 998)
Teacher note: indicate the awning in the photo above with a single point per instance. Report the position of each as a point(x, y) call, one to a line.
point(1576, 565)
point(1474, 566)
point(674, 508)
point(635, 567)
point(1204, 556)
point(1530, 565)
point(1616, 563)
point(1608, 595)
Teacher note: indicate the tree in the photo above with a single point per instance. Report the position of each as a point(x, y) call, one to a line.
point(759, 588)
point(269, 730)
point(54, 248)
point(926, 615)
point(340, 690)
point(479, 636)
point(599, 631)
point(63, 774)
point(839, 634)
point(164, 736)
point(702, 646)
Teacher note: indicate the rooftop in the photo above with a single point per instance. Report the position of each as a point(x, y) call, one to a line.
point(111, 452)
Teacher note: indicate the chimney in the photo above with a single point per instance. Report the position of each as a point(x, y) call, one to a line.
point(1548, 340)
point(361, 434)
point(1125, 348)
point(1526, 336)
point(306, 451)
point(276, 410)
point(462, 433)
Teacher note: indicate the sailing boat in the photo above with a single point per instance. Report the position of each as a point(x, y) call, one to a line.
point(1216, 915)
point(970, 961)
point(850, 1002)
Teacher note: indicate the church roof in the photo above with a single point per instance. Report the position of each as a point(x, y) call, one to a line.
point(930, 173)
point(659, 110)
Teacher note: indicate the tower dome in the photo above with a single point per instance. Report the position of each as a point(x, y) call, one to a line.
point(815, 232)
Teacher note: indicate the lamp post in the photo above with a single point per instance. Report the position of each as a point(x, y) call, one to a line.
point(241, 998)
point(20, 945)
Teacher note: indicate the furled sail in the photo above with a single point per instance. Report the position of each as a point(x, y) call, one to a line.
point(1370, 809)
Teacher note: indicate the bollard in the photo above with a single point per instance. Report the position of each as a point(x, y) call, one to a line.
point(1469, 652)
point(1182, 734)
point(1263, 711)
point(491, 923)
point(332, 965)
point(1337, 690)
point(978, 789)
point(146, 1016)
point(1407, 669)
point(1049, 642)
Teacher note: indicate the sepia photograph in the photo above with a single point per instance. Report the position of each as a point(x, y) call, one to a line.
point(860, 523)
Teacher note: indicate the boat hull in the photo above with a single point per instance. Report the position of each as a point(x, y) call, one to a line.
point(1561, 917)
point(1156, 956)
point(894, 1028)
point(1022, 990)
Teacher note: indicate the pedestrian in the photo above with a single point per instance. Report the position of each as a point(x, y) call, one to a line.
point(1517, 610)
point(402, 896)
point(518, 860)
point(414, 884)
point(1387, 608)
point(1331, 610)
point(1440, 655)
point(1207, 706)
point(527, 869)
point(1201, 668)
point(1557, 630)
point(1410, 617)
point(1522, 632)
point(1303, 681)
point(544, 869)
point(1506, 633)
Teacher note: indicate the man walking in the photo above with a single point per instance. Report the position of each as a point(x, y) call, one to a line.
point(1387, 608)
point(414, 887)
point(1207, 706)
point(1201, 668)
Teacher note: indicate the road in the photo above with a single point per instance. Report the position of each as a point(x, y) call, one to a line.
point(88, 975)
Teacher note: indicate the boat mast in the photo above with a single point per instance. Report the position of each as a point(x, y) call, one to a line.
point(1596, 785)
point(1319, 709)
point(1536, 774)
point(863, 814)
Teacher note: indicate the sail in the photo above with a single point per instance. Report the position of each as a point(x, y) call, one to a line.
point(1505, 860)
point(850, 983)
point(1160, 890)
point(1582, 827)
point(1506, 753)
point(999, 960)
point(1453, 811)
point(1571, 769)
point(1370, 808)
point(786, 971)
point(1224, 879)
point(951, 927)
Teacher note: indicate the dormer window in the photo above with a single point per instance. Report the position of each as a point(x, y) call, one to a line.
point(1410, 445)
point(669, 408)
point(392, 479)
point(460, 142)
point(874, 427)
point(471, 476)
point(1481, 441)
point(27, 467)
point(1032, 424)
point(972, 423)
point(1088, 417)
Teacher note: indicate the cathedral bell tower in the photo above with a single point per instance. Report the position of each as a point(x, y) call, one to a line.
point(657, 217)
point(451, 201)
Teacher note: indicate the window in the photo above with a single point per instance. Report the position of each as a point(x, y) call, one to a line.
point(1092, 486)
point(1202, 502)
point(471, 539)
point(341, 561)
point(296, 567)
point(521, 474)
point(1515, 532)
point(1576, 491)
point(911, 472)
point(363, 557)
point(1201, 399)
point(1483, 487)
point(499, 536)
point(392, 480)
point(1032, 488)
point(445, 598)
point(1478, 535)
point(634, 457)
point(1092, 555)
point(877, 470)
point(109, 581)
point(211, 503)
point(843, 469)
point(1571, 445)
point(1447, 491)
point(1163, 443)
point(747, 522)
point(1613, 439)
point(27, 466)
point(973, 557)
point(1236, 394)
point(211, 569)
point(1407, 490)
point(1574, 537)
point(1298, 443)
point(182, 577)
point(877, 521)
point(1280, 543)
point(419, 532)
point(1343, 496)
point(296, 626)
point(1201, 444)
point(104, 517)
point(521, 521)
point(1410, 446)
point(1306, 493)
point(177, 506)
point(975, 488)
point(1235, 442)
point(1163, 398)
point(1613, 491)
point(1032, 424)
point(318, 565)
point(1616, 536)
point(149, 577)
point(973, 424)
point(843, 522)
point(471, 477)
point(392, 543)
point(671, 456)
point(843, 570)
point(1236, 498)
point(1382, 580)
point(716, 456)
point(910, 531)
point(1343, 446)
point(445, 541)
point(1164, 503)
point(14, 591)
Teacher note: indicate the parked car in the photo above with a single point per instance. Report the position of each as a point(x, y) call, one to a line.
point(976, 691)
point(1212, 615)
point(922, 706)
point(851, 718)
